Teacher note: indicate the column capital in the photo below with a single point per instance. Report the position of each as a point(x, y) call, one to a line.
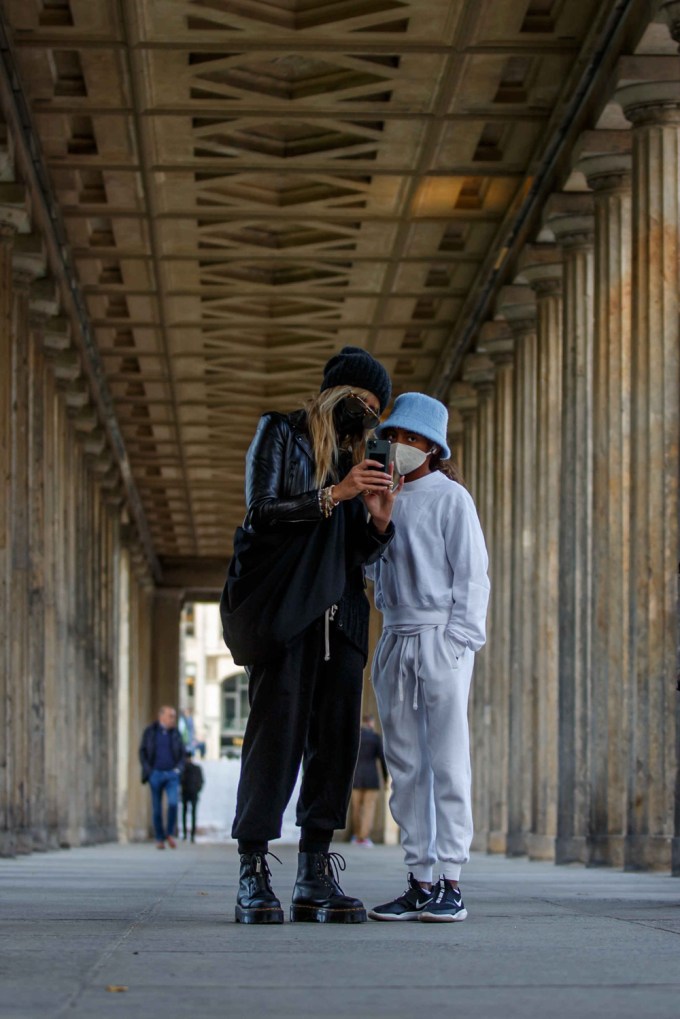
point(463, 398)
point(517, 305)
point(43, 300)
point(13, 211)
point(540, 265)
point(571, 218)
point(57, 333)
point(648, 89)
point(479, 371)
point(496, 341)
point(28, 259)
point(612, 172)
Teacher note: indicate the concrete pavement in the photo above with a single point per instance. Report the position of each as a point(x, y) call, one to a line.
point(540, 941)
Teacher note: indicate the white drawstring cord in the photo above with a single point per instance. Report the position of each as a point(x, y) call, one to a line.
point(328, 615)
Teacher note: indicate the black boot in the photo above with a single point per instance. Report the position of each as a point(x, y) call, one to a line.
point(317, 896)
point(256, 902)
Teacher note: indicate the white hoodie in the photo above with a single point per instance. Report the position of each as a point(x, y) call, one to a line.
point(435, 570)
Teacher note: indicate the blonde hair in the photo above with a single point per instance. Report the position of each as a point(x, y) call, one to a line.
point(324, 436)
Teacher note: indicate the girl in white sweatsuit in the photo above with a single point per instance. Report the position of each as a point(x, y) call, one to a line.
point(432, 589)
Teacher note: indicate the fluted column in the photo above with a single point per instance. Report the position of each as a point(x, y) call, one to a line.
point(570, 218)
point(20, 677)
point(609, 177)
point(456, 436)
point(541, 267)
point(497, 343)
point(654, 110)
point(478, 371)
point(165, 649)
point(517, 306)
point(463, 400)
point(6, 772)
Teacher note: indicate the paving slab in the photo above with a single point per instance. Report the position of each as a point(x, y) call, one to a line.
point(540, 941)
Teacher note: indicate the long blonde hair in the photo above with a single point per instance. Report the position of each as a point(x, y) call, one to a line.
point(323, 435)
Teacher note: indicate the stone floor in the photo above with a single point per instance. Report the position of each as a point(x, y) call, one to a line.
point(128, 931)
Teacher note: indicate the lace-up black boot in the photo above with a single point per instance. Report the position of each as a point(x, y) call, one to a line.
point(317, 896)
point(256, 902)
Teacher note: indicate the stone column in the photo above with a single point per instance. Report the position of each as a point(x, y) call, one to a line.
point(42, 303)
point(463, 400)
point(165, 677)
point(456, 436)
point(541, 266)
point(570, 218)
point(478, 371)
point(654, 111)
point(517, 305)
point(6, 776)
point(495, 340)
point(609, 177)
point(20, 677)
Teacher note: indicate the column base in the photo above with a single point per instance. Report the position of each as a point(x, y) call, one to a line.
point(675, 857)
point(541, 847)
point(648, 852)
point(7, 845)
point(39, 840)
point(23, 842)
point(571, 849)
point(516, 844)
point(606, 851)
point(480, 842)
point(497, 842)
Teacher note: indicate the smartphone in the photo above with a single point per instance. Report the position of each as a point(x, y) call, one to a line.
point(379, 449)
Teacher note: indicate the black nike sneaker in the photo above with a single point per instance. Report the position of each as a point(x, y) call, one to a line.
point(408, 906)
point(445, 906)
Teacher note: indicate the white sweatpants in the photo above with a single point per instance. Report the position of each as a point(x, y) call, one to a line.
point(422, 692)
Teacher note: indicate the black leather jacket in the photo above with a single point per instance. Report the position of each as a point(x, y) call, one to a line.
point(280, 487)
point(281, 491)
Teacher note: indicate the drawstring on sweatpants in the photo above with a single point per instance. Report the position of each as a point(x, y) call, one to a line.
point(402, 652)
point(328, 615)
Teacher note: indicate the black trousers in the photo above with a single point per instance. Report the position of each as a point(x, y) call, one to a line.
point(193, 801)
point(302, 709)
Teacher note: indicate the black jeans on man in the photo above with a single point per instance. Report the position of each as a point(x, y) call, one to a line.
point(303, 708)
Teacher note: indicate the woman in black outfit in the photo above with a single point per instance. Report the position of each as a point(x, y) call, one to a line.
point(295, 612)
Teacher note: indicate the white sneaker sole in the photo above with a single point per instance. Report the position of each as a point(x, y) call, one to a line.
point(443, 917)
point(372, 915)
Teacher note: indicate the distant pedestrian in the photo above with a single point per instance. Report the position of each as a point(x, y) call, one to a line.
point(161, 754)
point(366, 785)
point(432, 588)
point(192, 783)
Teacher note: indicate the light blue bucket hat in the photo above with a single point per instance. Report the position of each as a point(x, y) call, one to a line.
point(421, 414)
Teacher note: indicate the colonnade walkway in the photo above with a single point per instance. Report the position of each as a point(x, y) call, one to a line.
point(127, 931)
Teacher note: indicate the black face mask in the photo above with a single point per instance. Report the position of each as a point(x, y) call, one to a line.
point(351, 417)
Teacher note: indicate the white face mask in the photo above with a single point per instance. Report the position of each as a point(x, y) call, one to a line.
point(406, 458)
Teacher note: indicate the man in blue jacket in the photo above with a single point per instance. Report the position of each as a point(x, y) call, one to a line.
point(161, 754)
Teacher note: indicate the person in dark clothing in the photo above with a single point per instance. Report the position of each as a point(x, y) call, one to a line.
point(161, 754)
point(192, 783)
point(295, 613)
point(366, 782)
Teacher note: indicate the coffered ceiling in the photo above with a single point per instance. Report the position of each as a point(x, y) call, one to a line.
point(247, 185)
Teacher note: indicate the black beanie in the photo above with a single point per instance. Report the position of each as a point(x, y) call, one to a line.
point(356, 367)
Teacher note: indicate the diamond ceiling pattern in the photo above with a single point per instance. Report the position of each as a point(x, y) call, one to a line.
point(247, 185)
